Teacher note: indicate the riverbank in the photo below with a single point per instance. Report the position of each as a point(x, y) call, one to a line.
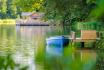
point(7, 22)
point(31, 22)
point(22, 22)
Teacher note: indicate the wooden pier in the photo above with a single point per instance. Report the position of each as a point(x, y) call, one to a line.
point(86, 36)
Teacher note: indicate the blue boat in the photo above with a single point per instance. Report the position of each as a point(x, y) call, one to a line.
point(58, 41)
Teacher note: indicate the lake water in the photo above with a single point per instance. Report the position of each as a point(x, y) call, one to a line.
point(24, 48)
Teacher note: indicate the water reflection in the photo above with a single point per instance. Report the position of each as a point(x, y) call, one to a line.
point(69, 58)
point(24, 48)
point(87, 58)
point(54, 50)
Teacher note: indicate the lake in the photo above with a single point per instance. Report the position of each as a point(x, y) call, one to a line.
point(24, 48)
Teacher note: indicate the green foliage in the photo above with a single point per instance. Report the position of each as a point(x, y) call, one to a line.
point(98, 11)
point(88, 26)
point(8, 9)
point(70, 11)
point(29, 5)
point(13, 8)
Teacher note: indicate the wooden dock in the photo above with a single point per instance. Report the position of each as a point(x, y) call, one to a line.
point(86, 36)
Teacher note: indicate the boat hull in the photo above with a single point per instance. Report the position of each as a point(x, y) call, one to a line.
point(58, 41)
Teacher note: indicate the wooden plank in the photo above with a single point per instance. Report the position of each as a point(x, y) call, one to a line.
point(84, 40)
point(88, 34)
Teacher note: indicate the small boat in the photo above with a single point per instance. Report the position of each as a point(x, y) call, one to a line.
point(58, 41)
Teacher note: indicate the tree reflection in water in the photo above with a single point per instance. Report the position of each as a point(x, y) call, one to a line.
point(66, 58)
point(25, 49)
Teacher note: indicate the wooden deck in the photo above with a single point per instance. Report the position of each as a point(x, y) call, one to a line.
point(86, 36)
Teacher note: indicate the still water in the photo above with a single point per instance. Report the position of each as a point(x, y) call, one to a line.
point(24, 48)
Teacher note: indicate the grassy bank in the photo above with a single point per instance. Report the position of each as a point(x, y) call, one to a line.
point(7, 22)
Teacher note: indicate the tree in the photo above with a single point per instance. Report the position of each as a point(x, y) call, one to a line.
point(70, 10)
point(29, 5)
point(3, 8)
point(8, 9)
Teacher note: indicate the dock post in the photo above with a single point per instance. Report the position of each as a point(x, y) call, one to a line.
point(82, 44)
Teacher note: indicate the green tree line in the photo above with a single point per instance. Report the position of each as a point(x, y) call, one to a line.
point(67, 11)
point(70, 10)
point(8, 9)
point(13, 8)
